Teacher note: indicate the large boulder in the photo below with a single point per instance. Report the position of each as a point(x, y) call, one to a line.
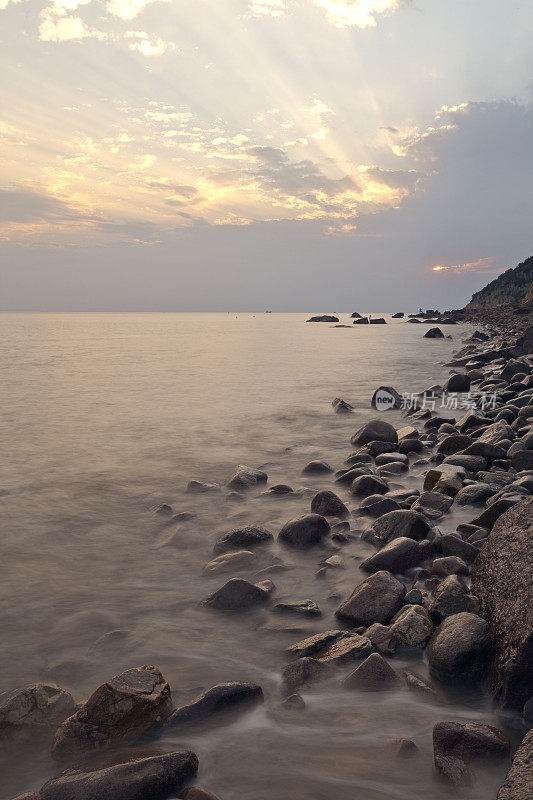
point(376, 599)
point(502, 579)
point(219, 698)
point(238, 594)
point(34, 713)
point(399, 555)
point(452, 597)
point(377, 430)
point(459, 648)
point(118, 712)
point(323, 318)
point(395, 524)
point(155, 777)
point(304, 531)
point(366, 485)
point(241, 538)
point(457, 746)
point(434, 333)
point(518, 784)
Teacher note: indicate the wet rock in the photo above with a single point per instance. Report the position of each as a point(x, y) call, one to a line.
point(335, 562)
point(413, 597)
point(301, 672)
point(376, 430)
point(459, 648)
point(237, 594)
point(456, 746)
point(452, 597)
point(340, 406)
point(418, 685)
point(323, 318)
point(374, 674)
point(328, 504)
point(375, 505)
point(314, 644)
point(403, 748)
point(453, 444)
point(488, 518)
point(396, 524)
point(228, 562)
point(490, 452)
point(33, 714)
point(455, 546)
point(412, 626)
point(366, 485)
point(522, 460)
point(164, 510)
point(474, 494)
point(294, 702)
point(304, 531)
point(155, 777)
point(433, 505)
point(201, 487)
point(472, 419)
point(222, 697)
point(518, 784)
point(382, 638)
point(279, 490)
point(307, 608)
point(316, 468)
point(501, 578)
point(246, 478)
point(399, 555)
point(346, 648)
point(457, 383)
point(434, 333)
point(436, 474)
point(118, 712)
point(449, 565)
point(471, 463)
point(376, 599)
point(241, 538)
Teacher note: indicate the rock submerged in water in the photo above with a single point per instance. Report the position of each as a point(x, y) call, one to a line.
point(118, 712)
point(377, 430)
point(457, 746)
point(33, 714)
point(323, 318)
point(316, 467)
point(246, 478)
point(155, 777)
point(327, 504)
point(386, 397)
point(501, 579)
point(399, 555)
point(395, 524)
point(239, 538)
point(222, 697)
point(227, 562)
point(434, 333)
point(340, 406)
point(374, 674)
point(238, 594)
point(304, 531)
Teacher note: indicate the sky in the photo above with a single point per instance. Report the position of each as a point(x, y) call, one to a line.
point(244, 155)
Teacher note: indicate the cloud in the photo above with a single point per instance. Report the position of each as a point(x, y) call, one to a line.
point(356, 13)
point(267, 8)
point(129, 9)
point(148, 44)
point(4, 3)
point(59, 26)
point(480, 265)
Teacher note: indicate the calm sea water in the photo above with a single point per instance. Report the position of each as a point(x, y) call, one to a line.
point(105, 416)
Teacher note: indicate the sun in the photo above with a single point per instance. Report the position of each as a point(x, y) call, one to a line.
point(436, 269)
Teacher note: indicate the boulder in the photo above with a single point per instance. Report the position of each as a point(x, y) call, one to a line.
point(222, 697)
point(316, 467)
point(375, 505)
point(301, 672)
point(306, 607)
point(241, 538)
point(456, 746)
point(118, 712)
point(459, 648)
point(412, 626)
point(305, 531)
point(452, 597)
point(228, 562)
point(455, 546)
point(399, 555)
point(202, 487)
point(395, 524)
point(323, 318)
point(385, 398)
point(378, 321)
point(453, 444)
point(376, 599)
point(374, 674)
point(340, 406)
point(502, 579)
point(433, 505)
point(457, 383)
point(434, 333)
point(377, 430)
point(382, 638)
point(494, 511)
point(246, 478)
point(474, 494)
point(518, 784)
point(328, 504)
point(436, 474)
point(449, 565)
point(237, 594)
point(156, 777)
point(366, 485)
point(345, 648)
point(471, 463)
point(195, 793)
point(33, 714)
point(361, 321)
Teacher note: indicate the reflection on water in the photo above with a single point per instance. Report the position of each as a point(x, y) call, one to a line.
point(105, 416)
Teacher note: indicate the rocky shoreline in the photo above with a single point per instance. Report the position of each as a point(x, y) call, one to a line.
point(464, 597)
